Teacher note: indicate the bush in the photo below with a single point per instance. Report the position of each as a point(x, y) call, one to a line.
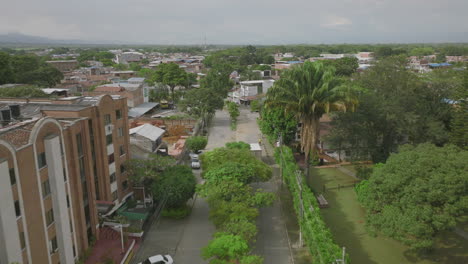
point(316, 234)
point(363, 172)
point(177, 213)
point(177, 186)
point(196, 143)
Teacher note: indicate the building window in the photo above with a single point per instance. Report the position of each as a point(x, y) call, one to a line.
point(17, 208)
point(111, 158)
point(74, 251)
point(121, 150)
point(114, 196)
point(120, 131)
point(12, 176)
point(68, 201)
point(118, 114)
point(41, 160)
point(79, 143)
point(109, 139)
point(49, 217)
point(64, 174)
point(53, 245)
point(125, 185)
point(22, 241)
point(122, 169)
point(45, 188)
point(107, 119)
point(112, 177)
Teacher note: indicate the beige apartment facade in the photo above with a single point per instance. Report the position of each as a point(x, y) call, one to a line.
point(54, 170)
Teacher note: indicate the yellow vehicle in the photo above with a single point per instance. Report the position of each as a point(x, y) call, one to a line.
point(164, 104)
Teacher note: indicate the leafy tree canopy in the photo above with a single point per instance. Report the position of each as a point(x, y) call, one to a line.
point(176, 184)
point(220, 156)
point(417, 193)
point(196, 143)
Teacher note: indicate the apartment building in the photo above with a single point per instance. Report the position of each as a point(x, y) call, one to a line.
point(58, 160)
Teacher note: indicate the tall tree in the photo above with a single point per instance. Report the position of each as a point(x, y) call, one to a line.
point(309, 91)
point(419, 192)
point(172, 75)
point(459, 125)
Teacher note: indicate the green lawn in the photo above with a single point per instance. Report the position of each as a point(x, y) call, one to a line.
point(345, 217)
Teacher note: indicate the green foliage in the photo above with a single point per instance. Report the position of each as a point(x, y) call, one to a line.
point(459, 123)
point(196, 143)
point(363, 172)
point(233, 202)
point(309, 91)
point(177, 213)
point(144, 172)
point(421, 51)
point(233, 110)
point(220, 156)
point(237, 145)
point(396, 107)
point(94, 54)
point(417, 193)
point(275, 122)
point(22, 91)
point(345, 66)
point(172, 75)
point(317, 236)
point(27, 69)
point(225, 248)
point(255, 105)
point(177, 185)
point(201, 102)
point(231, 171)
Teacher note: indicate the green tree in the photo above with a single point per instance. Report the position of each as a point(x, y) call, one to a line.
point(6, 74)
point(233, 110)
point(309, 91)
point(176, 185)
point(201, 102)
point(276, 122)
point(417, 193)
point(225, 249)
point(459, 124)
point(144, 171)
point(220, 156)
point(237, 145)
point(345, 66)
point(396, 107)
point(23, 91)
point(172, 75)
point(196, 143)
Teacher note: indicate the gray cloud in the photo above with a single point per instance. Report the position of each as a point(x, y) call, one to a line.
point(240, 21)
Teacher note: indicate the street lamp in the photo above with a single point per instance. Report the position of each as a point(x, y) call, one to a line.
point(121, 237)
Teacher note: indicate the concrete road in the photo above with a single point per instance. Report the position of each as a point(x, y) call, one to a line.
point(184, 239)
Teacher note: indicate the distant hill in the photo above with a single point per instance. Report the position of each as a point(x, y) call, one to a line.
point(18, 38)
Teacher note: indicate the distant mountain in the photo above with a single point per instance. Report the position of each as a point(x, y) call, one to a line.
point(18, 38)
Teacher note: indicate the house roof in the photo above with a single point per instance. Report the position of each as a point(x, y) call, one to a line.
point(148, 131)
point(141, 109)
point(109, 89)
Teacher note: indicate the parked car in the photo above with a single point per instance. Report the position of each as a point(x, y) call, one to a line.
point(195, 163)
point(193, 156)
point(158, 259)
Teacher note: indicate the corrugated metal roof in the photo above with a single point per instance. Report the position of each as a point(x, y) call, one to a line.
point(142, 109)
point(148, 131)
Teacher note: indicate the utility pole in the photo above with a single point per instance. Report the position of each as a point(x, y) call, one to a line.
point(299, 183)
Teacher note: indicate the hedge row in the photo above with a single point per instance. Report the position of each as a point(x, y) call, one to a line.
point(316, 234)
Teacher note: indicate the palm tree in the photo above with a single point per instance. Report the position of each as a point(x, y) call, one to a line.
point(309, 91)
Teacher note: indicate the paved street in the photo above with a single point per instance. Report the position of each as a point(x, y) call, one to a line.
point(184, 239)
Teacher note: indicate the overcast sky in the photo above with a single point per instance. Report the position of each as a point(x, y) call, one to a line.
point(239, 21)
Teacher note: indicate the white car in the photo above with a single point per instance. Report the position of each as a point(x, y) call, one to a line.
point(158, 259)
point(195, 163)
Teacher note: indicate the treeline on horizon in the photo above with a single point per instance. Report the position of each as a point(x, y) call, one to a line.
point(299, 50)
